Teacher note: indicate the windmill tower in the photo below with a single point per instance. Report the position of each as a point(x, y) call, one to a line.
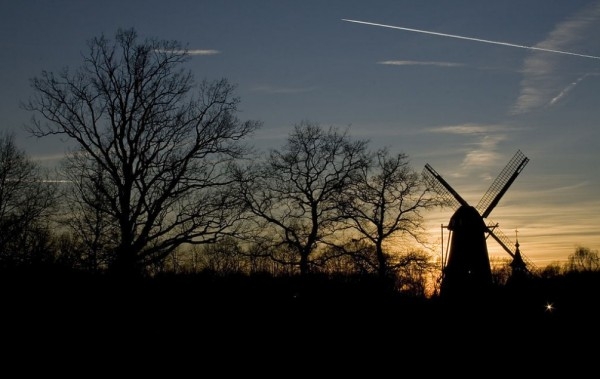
point(467, 267)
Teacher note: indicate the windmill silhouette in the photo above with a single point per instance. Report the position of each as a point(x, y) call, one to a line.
point(467, 267)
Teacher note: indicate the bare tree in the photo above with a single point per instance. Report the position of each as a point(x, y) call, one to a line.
point(385, 203)
point(552, 270)
point(295, 194)
point(224, 258)
point(584, 259)
point(415, 273)
point(93, 230)
point(26, 202)
point(154, 153)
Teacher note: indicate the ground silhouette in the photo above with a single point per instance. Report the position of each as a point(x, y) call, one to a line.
point(241, 324)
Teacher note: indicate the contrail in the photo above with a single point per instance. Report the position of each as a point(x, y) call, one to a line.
point(473, 39)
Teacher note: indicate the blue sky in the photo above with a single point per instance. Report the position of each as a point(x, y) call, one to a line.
point(463, 106)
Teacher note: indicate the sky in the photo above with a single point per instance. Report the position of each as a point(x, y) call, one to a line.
point(461, 85)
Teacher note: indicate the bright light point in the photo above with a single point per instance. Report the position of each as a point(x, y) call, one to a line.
point(549, 307)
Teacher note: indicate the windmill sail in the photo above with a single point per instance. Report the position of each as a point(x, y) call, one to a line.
point(506, 243)
point(449, 196)
point(492, 197)
point(499, 187)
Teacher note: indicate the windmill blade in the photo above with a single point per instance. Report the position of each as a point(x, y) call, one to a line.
point(505, 242)
point(500, 237)
point(442, 188)
point(508, 175)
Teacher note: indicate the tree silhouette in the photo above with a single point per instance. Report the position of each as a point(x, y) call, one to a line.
point(26, 202)
point(385, 203)
point(93, 231)
point(152, 158)
point(583, 259)
point(295, 194)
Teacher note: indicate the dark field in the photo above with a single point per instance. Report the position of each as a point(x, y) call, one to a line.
point(274, 321)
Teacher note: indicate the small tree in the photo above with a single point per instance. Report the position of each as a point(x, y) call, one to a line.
point(385, 203)
point(295, 195)
point(552, 270)
point(415, 273)
point(223, 258)
point(584, 259)
point(27, 199)
point(152, 158)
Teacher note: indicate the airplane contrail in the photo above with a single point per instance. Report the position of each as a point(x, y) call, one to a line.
point(473, 39)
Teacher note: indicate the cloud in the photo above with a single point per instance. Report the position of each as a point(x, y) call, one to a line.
point(203, 52)
point(192, 52)
point(481, 145)
point(421, 63)
point(567, 89)
point(483, 154)
point(541, 84)
point(56, 181)
point(463, 129)
point(563, 189)
point(480, 158)
point(44, 159)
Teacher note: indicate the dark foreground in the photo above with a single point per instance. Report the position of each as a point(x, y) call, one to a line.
point(266, 324)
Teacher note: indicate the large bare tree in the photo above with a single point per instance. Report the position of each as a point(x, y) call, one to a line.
point(385, 204)
point(27, 200)
point(295, 194)
point(152, 154)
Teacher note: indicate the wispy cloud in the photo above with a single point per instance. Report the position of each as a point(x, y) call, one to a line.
point(566, 90)
point(421, 63)
point(481, 142)
point(194, 51)
point(563, 189)
point(483, 154)
point(48, 159)
point(56, 181)
point(203, 52)
point(472, 129)
point(541, 85)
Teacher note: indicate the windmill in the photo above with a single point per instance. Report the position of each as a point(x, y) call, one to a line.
point(467, 267)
